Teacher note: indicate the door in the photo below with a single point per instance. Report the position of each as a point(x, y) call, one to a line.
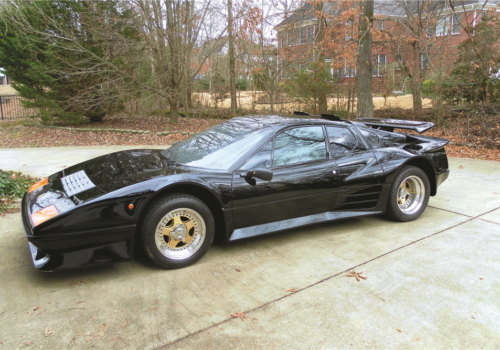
point(361, 176)
point(304, 179)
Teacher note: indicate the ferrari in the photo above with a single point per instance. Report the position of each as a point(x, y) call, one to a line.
point(245, 177)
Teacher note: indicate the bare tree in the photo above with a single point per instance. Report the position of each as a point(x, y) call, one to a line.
point(415, 35)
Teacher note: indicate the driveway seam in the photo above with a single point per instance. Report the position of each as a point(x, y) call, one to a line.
point(214, 325)
point(454, 212)
point(491, 222)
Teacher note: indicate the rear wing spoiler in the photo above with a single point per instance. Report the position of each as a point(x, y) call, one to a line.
point(376, 123)
point(391, 124)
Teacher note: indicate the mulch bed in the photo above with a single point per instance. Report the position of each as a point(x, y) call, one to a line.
point(17, 135)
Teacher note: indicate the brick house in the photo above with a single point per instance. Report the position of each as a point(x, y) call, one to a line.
point(438, 27)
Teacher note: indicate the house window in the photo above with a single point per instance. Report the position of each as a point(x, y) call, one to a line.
point(302, 35)
point(290, 38)
point(484, 14)
point(348, 31)
point(310, 33)
point(349, 70)
point(455, 24)
point(424, 61)
point(429, 31)
point(443, 26)
point(380, 25)
point(296, 34)
point(283, 39)
point(379, 65)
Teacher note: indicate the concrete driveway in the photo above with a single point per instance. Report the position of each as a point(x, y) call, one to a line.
point(432, 283)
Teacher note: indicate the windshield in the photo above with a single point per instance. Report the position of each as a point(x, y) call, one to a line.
point(218, 147)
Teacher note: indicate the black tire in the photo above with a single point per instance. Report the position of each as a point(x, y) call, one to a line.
point(180, 215)
point(409, 203)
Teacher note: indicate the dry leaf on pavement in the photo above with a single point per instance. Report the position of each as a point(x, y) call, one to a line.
point(239, 314)
point(357, 275)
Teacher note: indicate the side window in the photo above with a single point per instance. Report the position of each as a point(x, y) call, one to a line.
point(261, 159)
point(299, 145)
point(342, 141)
point(370, 137)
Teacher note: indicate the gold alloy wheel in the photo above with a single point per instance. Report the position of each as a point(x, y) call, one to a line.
point(411, 194)
point(180, 233)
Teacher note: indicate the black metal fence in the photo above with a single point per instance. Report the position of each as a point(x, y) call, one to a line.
point(12, 109)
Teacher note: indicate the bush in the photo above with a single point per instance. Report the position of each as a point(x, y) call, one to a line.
point(12, 187)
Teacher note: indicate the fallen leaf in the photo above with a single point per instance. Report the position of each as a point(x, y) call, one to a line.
point(398, 330)
point(116, 338)
point(238, 270)
point(473, 317)
point(241, 315)
point(34, 309)
point(356, 274)
point(123, 325)
point(291, 290)
point(416, 339)
point(495, 193)
point(41, 312)
point(89, 338)
point(28, 343)
point(481, 278)
point(460, 167)
point(48, 332)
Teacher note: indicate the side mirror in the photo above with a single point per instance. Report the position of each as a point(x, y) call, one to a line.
point(261, 173)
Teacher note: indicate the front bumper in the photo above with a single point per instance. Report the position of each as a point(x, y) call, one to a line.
point(78, 249)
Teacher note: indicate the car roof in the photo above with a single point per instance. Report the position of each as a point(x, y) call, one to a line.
point(279, 121)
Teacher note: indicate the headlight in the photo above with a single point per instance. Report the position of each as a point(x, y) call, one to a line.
point(44, 215)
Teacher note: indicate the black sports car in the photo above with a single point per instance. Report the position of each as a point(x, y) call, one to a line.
point(245, 177)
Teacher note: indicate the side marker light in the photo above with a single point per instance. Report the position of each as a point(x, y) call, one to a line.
point(131, 206)
point(38, 184)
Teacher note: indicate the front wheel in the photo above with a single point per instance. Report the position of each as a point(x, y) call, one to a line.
point(177, 231)
point(409, 194)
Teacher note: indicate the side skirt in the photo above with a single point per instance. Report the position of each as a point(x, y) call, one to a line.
point(277, 226)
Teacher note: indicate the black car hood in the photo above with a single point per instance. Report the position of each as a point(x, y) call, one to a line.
point(120, 169)
point(86, 181)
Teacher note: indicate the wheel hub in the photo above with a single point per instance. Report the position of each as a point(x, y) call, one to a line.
point(179, 233)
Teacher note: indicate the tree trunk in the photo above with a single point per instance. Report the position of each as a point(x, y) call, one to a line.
point(322, 103)
point(415, 82)
point(174, 114)
point(232, 71)
point(271, 100)
point(364, 75)
point(417, 96)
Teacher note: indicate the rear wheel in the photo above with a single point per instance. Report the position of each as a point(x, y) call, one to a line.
point(177, 231)
point(409, 194)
